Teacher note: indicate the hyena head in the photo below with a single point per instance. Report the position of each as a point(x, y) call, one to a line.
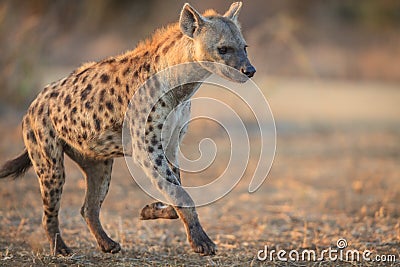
point(217, 38)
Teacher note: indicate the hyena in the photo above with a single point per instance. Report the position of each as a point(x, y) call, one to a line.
point(82, 116)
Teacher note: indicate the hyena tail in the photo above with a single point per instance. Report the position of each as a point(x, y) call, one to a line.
point(16, 167)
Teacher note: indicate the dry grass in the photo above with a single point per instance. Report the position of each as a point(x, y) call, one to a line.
point(331, 179)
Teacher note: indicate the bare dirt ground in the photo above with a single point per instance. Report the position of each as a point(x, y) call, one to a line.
point(336, 175)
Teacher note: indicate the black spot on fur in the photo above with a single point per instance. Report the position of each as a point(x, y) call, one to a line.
point(64, 129)
point(149, 119)
point(31, 136)
point(88, 105)
point(108, 61)
point(127, 88)
point(63, 82)
point(104, 78)
point(52, 135)
point(175, 169)
point(126, 71)
point(110, 106)
point(46, 183)
point(117, 81)
point(166, 48)
point(154, 140)
point(119, 99)
point(82, 72)
point(86, 92)
point(102, 93)
point(169, 172)
point(173, 181)
point(53, 94)
point(73, 110)
point(150, 149)
point(124, 60)
point(40, 111)
point(97, 124)
point(146, 67)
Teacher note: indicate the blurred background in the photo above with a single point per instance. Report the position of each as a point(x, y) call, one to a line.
point(42, 40)
point(331, 73)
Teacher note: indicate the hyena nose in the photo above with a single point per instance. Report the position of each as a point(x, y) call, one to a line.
point(248, 71)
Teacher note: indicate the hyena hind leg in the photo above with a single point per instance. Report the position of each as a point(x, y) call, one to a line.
point(47, 158)
point(98, 176)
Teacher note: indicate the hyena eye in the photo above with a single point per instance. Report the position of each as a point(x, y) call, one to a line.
point(222, 50)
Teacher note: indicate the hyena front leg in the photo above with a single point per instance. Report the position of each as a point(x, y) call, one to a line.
point(159, 210)
point(47, 156)
point(165, 180)
point(98, 176)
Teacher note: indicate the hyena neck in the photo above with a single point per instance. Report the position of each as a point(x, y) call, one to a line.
point(167, 48)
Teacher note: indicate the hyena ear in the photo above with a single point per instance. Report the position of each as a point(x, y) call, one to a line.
point(190, 20)
point(233, 11)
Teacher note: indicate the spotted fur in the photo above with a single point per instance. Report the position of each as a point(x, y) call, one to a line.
point(82, 116)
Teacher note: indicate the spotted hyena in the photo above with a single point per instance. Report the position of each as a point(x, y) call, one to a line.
point(82, 116)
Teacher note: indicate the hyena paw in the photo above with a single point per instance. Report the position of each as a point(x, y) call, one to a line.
point(61, 249)
point(109, 246)
point(158, 210)
point(201, 243)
